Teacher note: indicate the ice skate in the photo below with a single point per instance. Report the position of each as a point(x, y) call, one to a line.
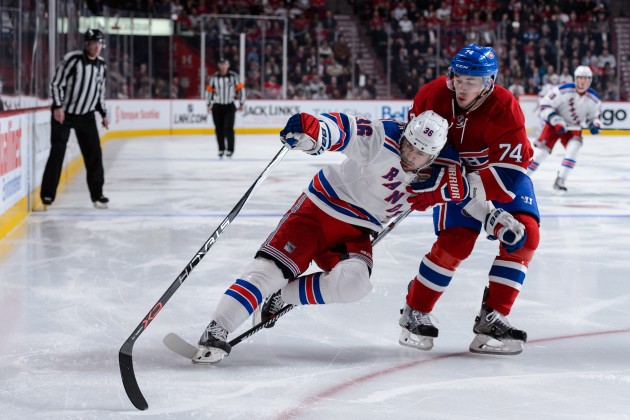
point(559, 188)
point(213, 345)
point(46, 201)
point(495, 335)
point(273, 304)
point(101, 202)
point(418, 330)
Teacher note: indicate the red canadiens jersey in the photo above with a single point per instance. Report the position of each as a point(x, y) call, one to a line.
point(490, 139)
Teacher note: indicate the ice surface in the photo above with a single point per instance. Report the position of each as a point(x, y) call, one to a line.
point(75, 282)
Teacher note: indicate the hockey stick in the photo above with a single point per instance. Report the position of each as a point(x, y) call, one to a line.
point(180, 346)
point(125, 358)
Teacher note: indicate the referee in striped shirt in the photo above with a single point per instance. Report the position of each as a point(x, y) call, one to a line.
point(77, 90)
point(224, 89)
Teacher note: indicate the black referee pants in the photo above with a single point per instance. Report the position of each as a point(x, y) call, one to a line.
point(223, 117)
point(87, 135)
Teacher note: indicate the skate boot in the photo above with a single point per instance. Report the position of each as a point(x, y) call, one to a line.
point(418, 330)
point(495, 335)
point(273, 304)
point(46, 201)
point(213, 345)
point(559, 187)
point(101, 202)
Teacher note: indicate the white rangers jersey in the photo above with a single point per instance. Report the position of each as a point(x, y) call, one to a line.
point(576, 110)
point(369, 187)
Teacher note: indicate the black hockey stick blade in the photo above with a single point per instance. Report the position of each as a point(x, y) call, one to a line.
point(125, 356)
point(125, 360)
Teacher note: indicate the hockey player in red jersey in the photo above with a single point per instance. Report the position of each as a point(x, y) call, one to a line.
point(488, 130)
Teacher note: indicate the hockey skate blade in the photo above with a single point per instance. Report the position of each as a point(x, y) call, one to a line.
point(208, 356)
point(418, 342)
point(178, 345)
point(484, 344)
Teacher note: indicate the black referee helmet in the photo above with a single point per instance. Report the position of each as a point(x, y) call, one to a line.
point(93, 35)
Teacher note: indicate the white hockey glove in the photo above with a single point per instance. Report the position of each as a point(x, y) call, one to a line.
point(503, 226)
point(558, 124)
point(302, 132)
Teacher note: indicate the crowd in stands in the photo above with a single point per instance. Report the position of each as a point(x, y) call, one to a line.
point(537, 42)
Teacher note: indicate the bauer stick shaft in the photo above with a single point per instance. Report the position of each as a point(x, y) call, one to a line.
point(125, 358)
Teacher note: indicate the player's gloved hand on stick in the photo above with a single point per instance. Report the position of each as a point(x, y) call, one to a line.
point(503, 226)
point(444, 184)
point(302, 133)
point(558, 124)
point(595, 126)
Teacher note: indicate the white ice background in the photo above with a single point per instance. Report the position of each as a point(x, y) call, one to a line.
point(75, 282)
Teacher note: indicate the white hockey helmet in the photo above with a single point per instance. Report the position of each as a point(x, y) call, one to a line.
point(583, 71)
point(427, 132)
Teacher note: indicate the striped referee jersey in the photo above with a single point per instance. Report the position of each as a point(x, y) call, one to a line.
point(225, 89)
point(79, 84)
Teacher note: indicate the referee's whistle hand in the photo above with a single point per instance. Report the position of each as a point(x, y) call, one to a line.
point(106, 122)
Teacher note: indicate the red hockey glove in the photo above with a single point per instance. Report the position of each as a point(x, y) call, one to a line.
point(302, 133)
point(444, 184)
point(558, 123)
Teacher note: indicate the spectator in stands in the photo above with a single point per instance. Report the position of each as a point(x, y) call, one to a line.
point(341, 51)
point(606, 58)
point(316, 84)
point(399, 11)
point(321, 93)
point(272, 89)
point(565, 76)
point(406, 26)
point(517, 88)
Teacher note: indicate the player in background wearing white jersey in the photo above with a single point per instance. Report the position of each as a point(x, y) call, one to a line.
point(331, 223)
point(565, 110)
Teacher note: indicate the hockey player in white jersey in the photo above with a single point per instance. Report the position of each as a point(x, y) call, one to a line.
point(566, 110)
point(332, 221)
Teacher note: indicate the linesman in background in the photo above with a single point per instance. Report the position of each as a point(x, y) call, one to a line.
point(77, 90)
point(224, 89)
